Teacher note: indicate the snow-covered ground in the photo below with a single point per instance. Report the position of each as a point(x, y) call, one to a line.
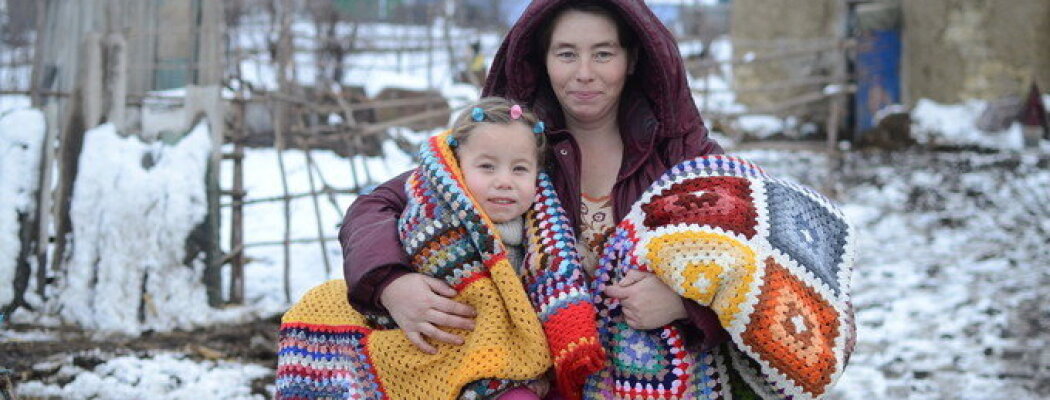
point(158, 376)
point(951, 285)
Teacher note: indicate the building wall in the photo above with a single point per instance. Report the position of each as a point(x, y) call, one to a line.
point(761, 27)
point(953, 50)
point(974, 49)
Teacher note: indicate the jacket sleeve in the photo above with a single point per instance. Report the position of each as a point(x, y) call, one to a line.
point(372, 252)
point(702, 327)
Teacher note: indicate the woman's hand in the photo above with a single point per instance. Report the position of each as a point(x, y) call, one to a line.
point(646, 301)
point(421, 304)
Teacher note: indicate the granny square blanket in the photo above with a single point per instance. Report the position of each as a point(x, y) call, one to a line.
point(771, 258)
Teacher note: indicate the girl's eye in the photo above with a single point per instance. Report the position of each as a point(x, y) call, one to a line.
point(521, 168)
point(487, 166)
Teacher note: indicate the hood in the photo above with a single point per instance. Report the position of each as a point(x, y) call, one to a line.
point(656, 97)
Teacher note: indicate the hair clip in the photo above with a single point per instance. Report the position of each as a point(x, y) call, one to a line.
point(452, 142)
point(515, 111)
point(538, 128)
point(478, 114)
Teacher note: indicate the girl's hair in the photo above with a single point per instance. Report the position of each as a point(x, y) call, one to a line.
point(624, 33)
point(497, 110)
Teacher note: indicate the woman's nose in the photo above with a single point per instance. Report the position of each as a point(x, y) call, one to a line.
point(585, 72)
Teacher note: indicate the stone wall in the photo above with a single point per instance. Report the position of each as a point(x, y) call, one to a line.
point(974, 49)
point(953, 50)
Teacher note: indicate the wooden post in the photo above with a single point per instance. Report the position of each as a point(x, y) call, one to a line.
point(317, 210)
point(115, 79)
point(237, 210)
point(81, 114)
point(448, 39)
point(836, 100)
point(38, 55)
point(430, 48)
point(284, 50)
point(43, 200)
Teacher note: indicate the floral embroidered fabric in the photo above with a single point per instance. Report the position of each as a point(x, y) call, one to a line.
point(596, 223)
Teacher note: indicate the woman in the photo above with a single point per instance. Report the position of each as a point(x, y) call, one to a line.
point(609, 78)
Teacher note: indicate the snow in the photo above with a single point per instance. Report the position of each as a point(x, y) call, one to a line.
point(134, 204)
point(28, 336)
point(160, 376)
point(954, 125)
point(21, 137)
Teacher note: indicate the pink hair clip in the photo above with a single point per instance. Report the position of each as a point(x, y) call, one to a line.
point(515, 111)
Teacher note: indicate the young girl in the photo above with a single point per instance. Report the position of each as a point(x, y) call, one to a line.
point(499, 148)
point(477, 205)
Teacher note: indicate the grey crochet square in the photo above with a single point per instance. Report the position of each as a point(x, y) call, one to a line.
point(806, 231)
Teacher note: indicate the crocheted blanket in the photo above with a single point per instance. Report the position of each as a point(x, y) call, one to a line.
point(524, 324)
point(771, 258)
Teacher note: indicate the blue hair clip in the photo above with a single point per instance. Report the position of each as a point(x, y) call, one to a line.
point(452, 142)
point(538, 128)
point(478, 114)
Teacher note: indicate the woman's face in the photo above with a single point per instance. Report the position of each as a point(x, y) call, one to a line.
point(587, 66)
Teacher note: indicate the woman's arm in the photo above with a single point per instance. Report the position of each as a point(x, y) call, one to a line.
point(372, 252)
point(374, 260)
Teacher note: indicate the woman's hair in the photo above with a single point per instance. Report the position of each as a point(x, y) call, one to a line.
point(496, 110)
point(624, 33)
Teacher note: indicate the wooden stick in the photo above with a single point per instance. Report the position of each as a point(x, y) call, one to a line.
point(237, 212)
point(286, 242)
point(317, 211)
point(788, 84)
point(284, 46)
point(38, 55)
point(325, 190)
point(773, 56)
point(377, 128)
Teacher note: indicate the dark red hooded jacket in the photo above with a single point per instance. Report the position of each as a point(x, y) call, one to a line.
point(659, 123)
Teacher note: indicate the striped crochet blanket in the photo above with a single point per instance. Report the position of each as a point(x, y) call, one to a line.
point(524, 325)
point(771, 258)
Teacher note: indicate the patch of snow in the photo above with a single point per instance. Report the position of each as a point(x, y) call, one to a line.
point(887, 111)
point(956, 125)
point(21, 138)
point(13, 102)
point(134, 205)
point(163, 376)
point(9, 336)
point(760, 126)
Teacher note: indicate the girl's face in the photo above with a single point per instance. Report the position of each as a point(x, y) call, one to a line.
point(499, 165)
point(587, 66)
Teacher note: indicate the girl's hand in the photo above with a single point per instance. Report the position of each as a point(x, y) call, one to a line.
point(646, 301)
point(421, 304)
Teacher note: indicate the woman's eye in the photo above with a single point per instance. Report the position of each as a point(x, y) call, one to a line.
point(603, 56)
point(566, 55)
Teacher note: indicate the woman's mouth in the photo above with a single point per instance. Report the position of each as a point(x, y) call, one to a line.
point(583, 95)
